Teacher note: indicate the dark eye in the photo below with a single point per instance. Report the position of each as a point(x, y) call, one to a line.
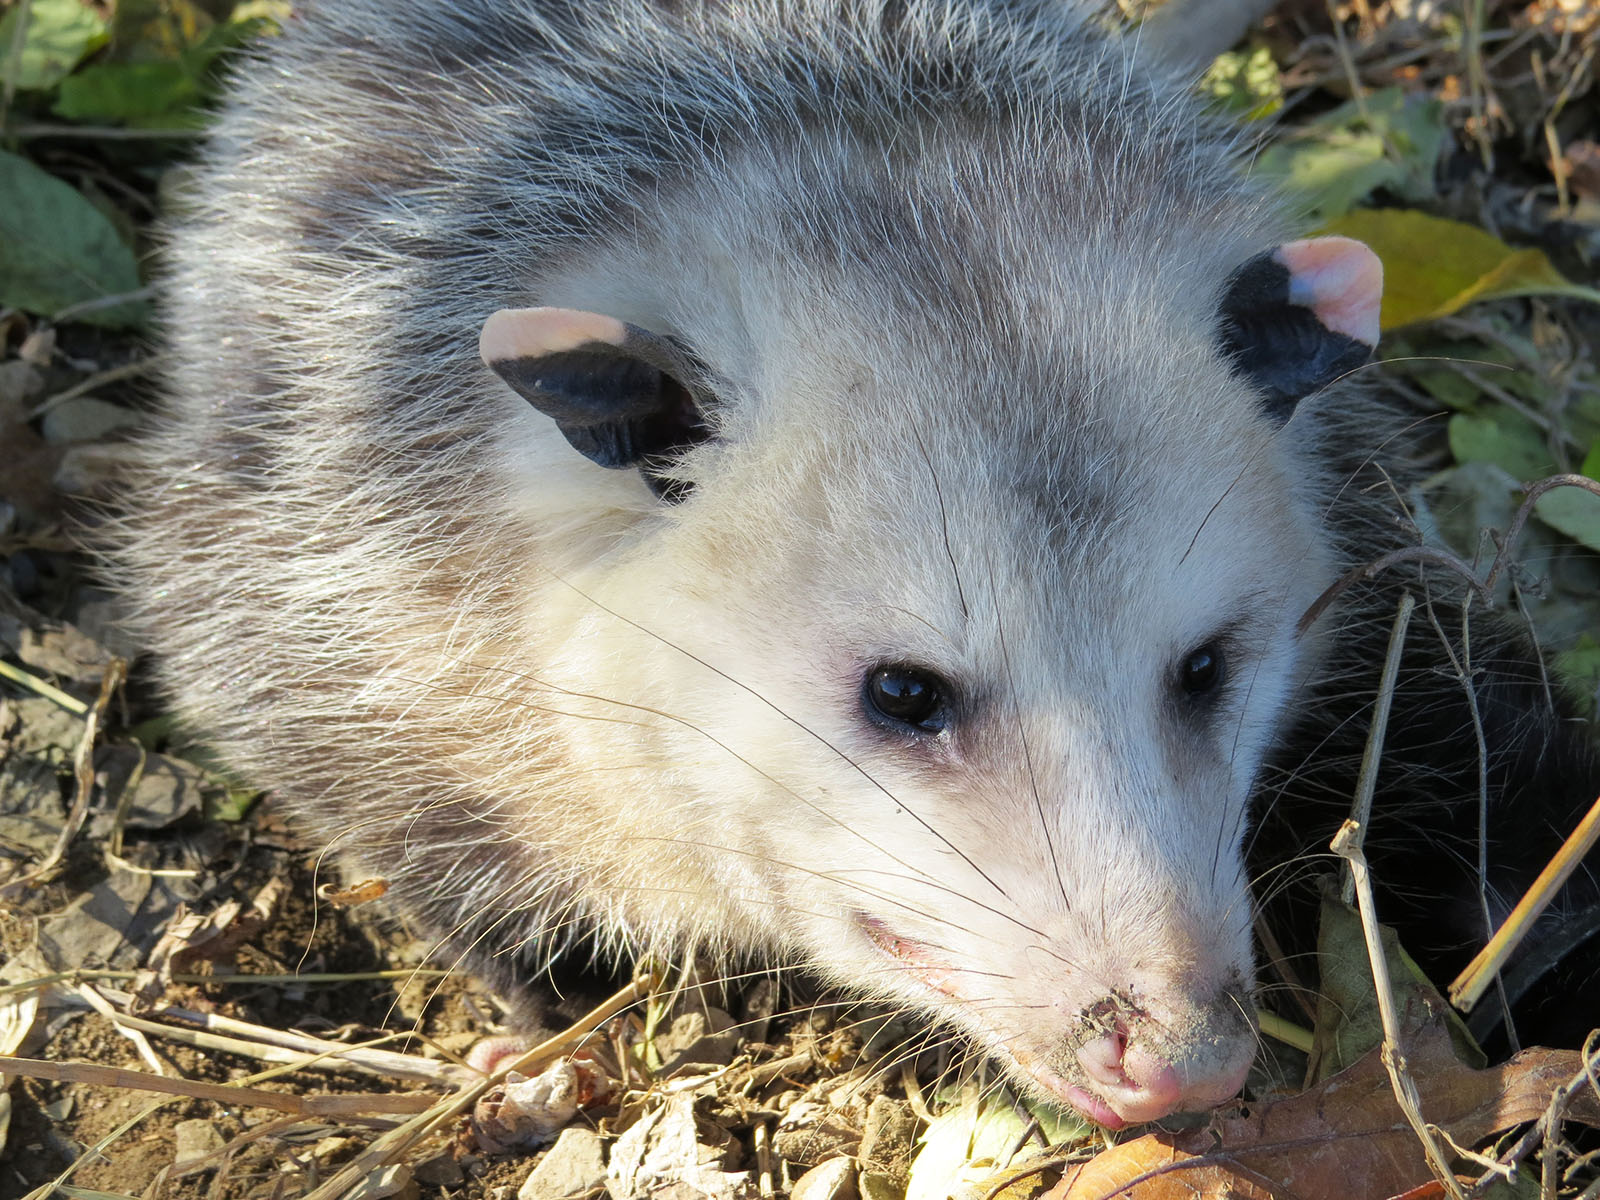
point(908, 696)
point(1203, 671)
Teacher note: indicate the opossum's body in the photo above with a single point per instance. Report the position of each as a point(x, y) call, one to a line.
point(954, 414)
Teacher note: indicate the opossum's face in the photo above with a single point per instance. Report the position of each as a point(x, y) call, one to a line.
point(964, 700)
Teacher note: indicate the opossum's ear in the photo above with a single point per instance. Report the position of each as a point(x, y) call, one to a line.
point(1300, 316)
point(624, 397)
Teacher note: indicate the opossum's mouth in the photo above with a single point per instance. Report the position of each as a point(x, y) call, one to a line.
point(929, 970)
point(926, 965)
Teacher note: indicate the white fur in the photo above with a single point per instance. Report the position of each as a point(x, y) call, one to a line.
point(973, 417)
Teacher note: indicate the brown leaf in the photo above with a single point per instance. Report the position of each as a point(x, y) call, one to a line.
point(1349, 1131)
point(1152, 1168)
point(30, 464)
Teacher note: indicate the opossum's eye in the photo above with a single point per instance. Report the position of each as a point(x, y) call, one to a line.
point(1203, 670)
point(908, 696)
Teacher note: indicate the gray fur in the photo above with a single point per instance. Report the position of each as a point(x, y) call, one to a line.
point(953, 267)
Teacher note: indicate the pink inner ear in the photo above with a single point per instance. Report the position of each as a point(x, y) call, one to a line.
point(514, 333)
point(1340, 280)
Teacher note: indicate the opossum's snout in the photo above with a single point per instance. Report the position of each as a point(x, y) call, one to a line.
point(1144, 1069)
point(1159, 1043)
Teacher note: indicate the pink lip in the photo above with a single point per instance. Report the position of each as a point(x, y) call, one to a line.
point(941, 978)
point(1087, 1103)
point(929, 969)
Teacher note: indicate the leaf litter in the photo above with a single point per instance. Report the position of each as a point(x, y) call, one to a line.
point(308, 1048)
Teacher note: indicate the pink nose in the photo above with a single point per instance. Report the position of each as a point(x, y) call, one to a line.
point(1140, 1084)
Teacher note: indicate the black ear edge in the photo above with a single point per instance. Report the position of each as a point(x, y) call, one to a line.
point(612, 405)
point(1281, 348)
point(588, 384)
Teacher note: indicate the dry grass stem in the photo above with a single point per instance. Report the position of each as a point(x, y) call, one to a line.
point(246, 1097)
point(127, 1029)
point(87, 975)
point(362, 1057)
point(38, 686)
point(129, 370)
point(83, 772)
point(1469, 986)
point(389, 1146)
point(1347, 845)
point(333, 1056)
point(1372, 755)
point(1484, 588)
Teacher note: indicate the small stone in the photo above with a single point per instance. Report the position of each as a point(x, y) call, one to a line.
point(877, 1186)
point(698, 1036)
point(832, 1180)
point(102, 618)
point(196, 1139)
point(19, 381)
point(816, 1143)
point(85, 419)
point(442, 1170)
point(92, 468)
point(889, 1138)
point(393, 1182)
point(573, 1167)
point(38, 347)
point(1583, 167)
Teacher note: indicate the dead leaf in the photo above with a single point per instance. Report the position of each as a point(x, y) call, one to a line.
point(1346, 1134)
point(1433, 267)
point(30, 462)
point(191, 938)
point(1151, 1168)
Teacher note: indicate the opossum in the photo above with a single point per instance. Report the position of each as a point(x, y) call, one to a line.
point(831, 481)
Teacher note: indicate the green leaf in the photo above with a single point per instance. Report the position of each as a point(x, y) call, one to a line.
point(1244, 83)
point(154, 92)
point(1456, 505)
point(57, 249)
point(1433, 267)
point(1499, 435)
point(60, 34)
point(1331, 176)
point(973, 1141)
point(1450, 388)
point(157, 30)
point(1579, 669)
point(1389, 140)
point(1573, 510)
point(128, 92)
point(1582, 420)
point(234, 804)
point(1348, 1020)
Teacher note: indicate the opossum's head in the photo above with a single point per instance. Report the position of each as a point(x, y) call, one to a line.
point(967, 647)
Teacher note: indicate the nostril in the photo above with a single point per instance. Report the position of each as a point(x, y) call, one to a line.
point(1139, 1086)
point(1101, 1059)
point(1142, 1070)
